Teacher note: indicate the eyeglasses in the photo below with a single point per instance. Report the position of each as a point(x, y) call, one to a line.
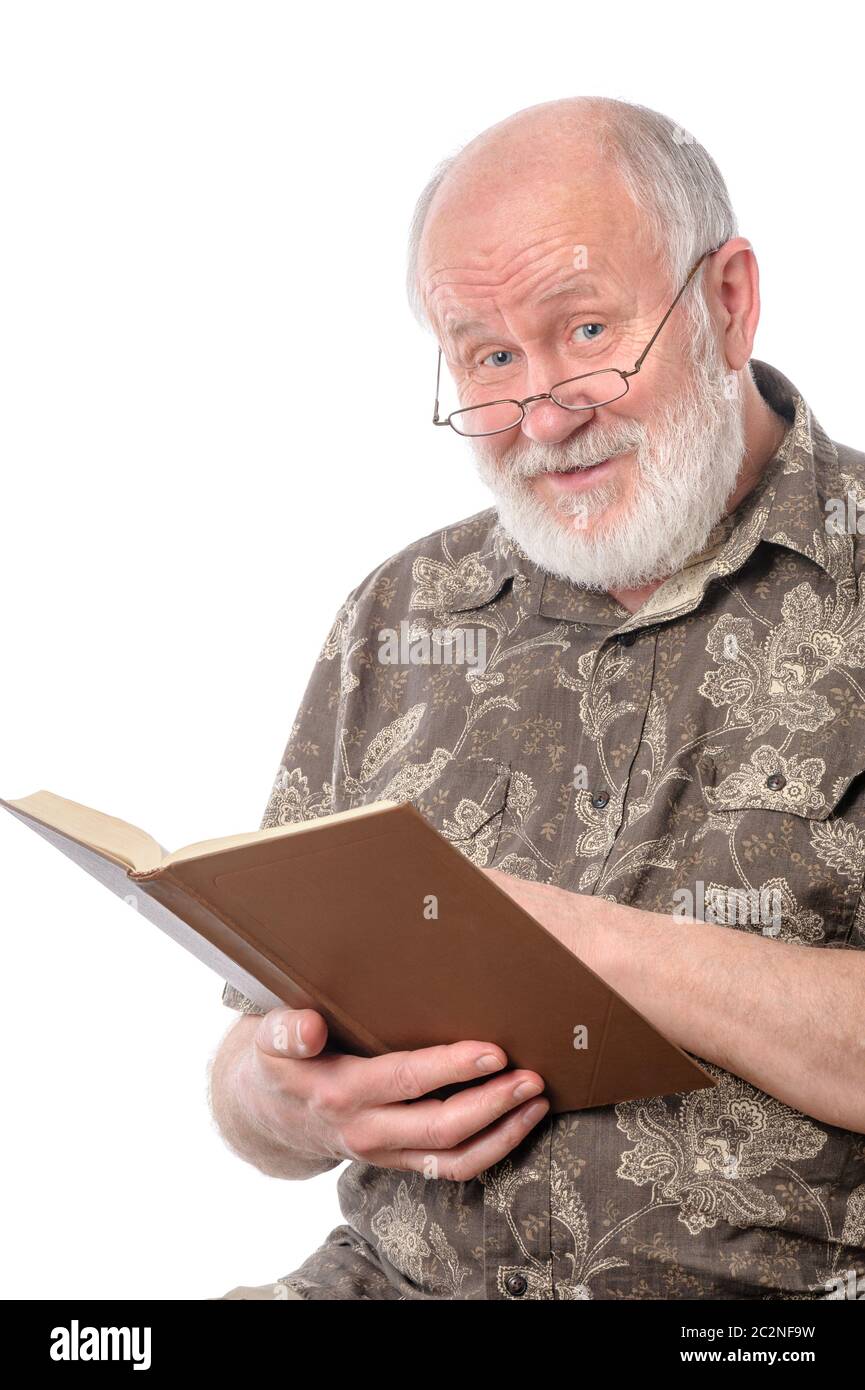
point(585, 392)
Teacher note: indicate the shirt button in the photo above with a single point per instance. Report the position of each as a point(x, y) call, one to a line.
point(626, 639)
point(600, 800)
point(776, 782)
point(516, 1284)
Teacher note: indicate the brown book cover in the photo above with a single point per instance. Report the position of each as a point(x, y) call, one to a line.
point(395, 937)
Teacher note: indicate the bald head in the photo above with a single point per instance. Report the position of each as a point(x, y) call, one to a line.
point(527, 208)
point(554, 135)
point(535, 178)
point(567, 156)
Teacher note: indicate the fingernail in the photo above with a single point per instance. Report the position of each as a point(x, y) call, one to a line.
point(489, 1062)
point(298, 1036)
point(533, 1113)
point(526, 1089)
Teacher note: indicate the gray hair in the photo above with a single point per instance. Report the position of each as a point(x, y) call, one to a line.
point(675, 183)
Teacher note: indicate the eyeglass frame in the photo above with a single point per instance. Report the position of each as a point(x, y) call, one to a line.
point(548, 395)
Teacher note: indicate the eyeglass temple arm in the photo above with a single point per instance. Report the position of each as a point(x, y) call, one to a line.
point(435, 419)
point(691, 273)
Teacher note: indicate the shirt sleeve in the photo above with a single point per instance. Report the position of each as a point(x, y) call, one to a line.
point(309, 769)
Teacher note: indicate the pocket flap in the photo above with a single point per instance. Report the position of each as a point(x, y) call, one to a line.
point(797, 782)
point(477, 794)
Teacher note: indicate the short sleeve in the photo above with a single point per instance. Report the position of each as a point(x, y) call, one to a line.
point(303, 788)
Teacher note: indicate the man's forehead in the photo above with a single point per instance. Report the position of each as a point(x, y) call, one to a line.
point(459, 320)
point(520, 248)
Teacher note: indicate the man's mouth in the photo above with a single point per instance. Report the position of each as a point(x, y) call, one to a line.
point(580, 467)
point(580, 475)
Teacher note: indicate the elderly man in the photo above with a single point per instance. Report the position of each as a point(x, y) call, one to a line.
point(661, 757)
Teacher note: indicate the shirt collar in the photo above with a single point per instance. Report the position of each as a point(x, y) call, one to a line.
point(460, 586)
point(787, 507)
point(802, 478)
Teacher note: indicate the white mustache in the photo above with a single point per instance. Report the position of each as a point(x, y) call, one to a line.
point(530, 463)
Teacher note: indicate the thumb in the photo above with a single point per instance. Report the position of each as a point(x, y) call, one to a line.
point(291, 1033)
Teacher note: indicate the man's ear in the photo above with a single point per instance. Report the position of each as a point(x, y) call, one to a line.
point(732, 288)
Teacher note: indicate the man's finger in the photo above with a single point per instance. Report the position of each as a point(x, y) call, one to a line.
point(436, 1125)
point(296, 1033)
point(467, 1160)
point(401, 1076)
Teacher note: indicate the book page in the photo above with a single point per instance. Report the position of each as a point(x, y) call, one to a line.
point(137, 851)
point(115, 839)
point(205, 847)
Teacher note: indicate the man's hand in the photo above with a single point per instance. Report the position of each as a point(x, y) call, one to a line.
point(292, 1109)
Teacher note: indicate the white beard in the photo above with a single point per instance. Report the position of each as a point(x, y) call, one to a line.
point(687, 459)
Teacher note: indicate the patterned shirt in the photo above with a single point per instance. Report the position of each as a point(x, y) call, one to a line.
point(709, 744)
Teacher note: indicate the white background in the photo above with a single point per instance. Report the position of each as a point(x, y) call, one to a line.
point(202, 244)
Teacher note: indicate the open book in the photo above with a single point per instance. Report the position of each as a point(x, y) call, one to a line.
point(386, 929)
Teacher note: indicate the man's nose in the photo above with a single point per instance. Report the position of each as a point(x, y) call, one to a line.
point(549, 423)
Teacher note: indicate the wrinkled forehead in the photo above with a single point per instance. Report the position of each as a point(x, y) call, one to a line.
point(494, 246)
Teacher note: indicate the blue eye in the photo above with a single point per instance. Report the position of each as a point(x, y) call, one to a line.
point(502, 352)
point(586, 327)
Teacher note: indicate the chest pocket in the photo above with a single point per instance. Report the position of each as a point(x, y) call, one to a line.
point(464, 798)
point(796, 831)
